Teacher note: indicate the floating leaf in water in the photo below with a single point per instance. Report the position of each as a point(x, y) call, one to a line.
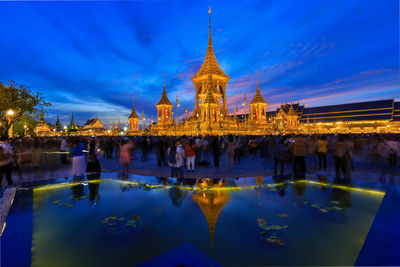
point(275, 227)
point(105, 220)
point(263, 233)
point(337, 208)
point(275, 241)
point(121, 219)
point(135, 218)
point(335, 202)
point(112, 224)
point(113, 217)
point(323, 210)
point(283, 215)
point(70, 205)
point(315, 206)
point(261, 220)
point(305, 202)
point(56, 201)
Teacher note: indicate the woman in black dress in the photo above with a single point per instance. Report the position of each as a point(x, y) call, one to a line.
point(93, 165)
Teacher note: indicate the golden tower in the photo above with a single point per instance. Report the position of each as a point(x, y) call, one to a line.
point(291, 116)
point(219, 78)
point(42, 128)
point(133, 119)
point(164, 108)
point(258, 107)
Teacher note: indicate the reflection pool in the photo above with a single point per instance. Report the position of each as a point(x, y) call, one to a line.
point(107, 221)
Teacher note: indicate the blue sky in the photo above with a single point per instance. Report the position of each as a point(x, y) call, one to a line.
point(91, 58)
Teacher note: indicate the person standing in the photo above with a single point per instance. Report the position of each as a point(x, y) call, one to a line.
point(205, 153)
point(176, 155)
point(340, 157)
point(231, 145)
point(125, 155)
point(322, 150)
point(78, 159)
point(299, 153)
point(6, 154)
point(280, 156)
point(180, 159)
point(264, 150)
point(199, 146)
point(171, 152)
point(93, 165)
point(145, 148)
point(216, 150)
point(64, 151)
point(190, 149)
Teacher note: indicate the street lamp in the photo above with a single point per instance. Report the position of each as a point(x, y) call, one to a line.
point(10, 114)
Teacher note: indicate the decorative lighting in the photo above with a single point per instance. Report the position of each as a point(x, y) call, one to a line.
point(10, 112)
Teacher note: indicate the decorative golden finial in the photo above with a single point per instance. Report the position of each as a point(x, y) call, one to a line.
point(209, 27)
point(164, 80)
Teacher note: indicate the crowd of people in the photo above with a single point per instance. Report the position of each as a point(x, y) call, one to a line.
point(304, 153)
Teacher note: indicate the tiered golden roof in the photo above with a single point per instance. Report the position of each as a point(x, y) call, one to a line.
point(210, 62)
point(258, 98)
point(164, 98)
point(210, 91)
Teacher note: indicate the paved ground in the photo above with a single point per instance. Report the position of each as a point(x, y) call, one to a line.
point(247, 167)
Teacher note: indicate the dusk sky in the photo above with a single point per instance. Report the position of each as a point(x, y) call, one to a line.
point(91, 58)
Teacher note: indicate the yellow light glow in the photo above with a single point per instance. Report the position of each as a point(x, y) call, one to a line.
point(10, 112)
point(214, 187)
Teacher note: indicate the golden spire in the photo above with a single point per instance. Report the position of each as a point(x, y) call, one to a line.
point(258, 98)
point(164, 98)
point(291, 111)
point(210, 61)
point(133, 113)
point(209, 29)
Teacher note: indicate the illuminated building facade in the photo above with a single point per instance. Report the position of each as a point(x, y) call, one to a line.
point(210, 115)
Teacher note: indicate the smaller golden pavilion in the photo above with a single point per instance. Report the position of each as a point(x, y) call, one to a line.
point(133, 120)
point(42, 129)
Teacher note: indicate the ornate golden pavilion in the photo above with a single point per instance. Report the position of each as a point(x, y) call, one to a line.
point(211, 116)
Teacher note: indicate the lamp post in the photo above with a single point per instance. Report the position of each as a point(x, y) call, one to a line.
point(10, 114)
point(245, 110)
point(25, 129)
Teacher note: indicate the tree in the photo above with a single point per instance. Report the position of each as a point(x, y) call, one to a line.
point(22, 101)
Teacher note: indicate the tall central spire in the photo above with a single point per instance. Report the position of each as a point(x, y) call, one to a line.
point(209, 29)
point(210, 62)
